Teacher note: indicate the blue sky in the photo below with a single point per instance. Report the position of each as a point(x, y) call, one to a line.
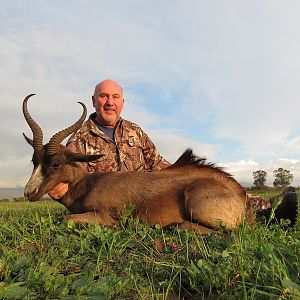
point(219, 76)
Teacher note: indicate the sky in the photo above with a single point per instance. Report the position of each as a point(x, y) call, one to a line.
point(220, 77)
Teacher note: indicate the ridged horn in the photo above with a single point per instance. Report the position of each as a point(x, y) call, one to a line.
point(35, 128)
point(54, 143)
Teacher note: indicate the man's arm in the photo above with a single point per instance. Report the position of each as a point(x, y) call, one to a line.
point(75, 144)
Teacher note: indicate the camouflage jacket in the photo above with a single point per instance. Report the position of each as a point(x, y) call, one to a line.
point(131, 150)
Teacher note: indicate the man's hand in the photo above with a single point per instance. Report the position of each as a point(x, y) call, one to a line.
point(60, 190)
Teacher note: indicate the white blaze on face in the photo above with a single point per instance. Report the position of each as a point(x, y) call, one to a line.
point(35, 181)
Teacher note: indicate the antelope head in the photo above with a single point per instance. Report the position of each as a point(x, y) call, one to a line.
point(53, 163)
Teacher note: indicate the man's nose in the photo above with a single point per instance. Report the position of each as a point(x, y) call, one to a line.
point(110, 99)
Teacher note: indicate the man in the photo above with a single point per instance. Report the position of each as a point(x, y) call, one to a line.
point(127, 147)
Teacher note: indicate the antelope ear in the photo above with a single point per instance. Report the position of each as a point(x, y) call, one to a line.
point(78, 157)
point(28, 140)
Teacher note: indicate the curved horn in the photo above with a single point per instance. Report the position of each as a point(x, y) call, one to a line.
point(54, 143)
point(35, 128)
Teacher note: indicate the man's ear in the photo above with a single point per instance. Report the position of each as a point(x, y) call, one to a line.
point(93, 100)
point(78, 157)
point(28, 140)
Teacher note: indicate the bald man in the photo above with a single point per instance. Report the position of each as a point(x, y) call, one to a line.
point(124, 144)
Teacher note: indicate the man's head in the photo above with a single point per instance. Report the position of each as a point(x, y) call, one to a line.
point(108, 102)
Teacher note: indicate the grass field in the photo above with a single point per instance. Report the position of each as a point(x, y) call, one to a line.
point(44, 257)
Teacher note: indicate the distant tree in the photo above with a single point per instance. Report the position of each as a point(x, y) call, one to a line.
point(260, 178)
point(20, 199)
point(4, 200)
point(282, 177)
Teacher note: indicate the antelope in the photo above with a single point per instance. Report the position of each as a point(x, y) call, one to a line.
point(191, 193)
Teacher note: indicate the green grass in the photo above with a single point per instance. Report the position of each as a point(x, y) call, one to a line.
point(44, 257)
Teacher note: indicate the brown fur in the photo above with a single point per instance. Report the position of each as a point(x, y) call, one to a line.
point(191, 193)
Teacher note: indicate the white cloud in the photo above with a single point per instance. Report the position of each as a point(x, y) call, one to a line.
point(200, 75)
point(242, 170)
point(173, 144)
point(290, 161)
point(17, 172)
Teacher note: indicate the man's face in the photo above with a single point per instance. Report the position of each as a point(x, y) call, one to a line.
point(108, 102)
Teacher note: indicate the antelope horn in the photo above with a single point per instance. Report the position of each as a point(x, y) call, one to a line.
point(35, 128)
point(54, 143)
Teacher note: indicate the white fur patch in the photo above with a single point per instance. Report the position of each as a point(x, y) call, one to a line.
point(35, 181)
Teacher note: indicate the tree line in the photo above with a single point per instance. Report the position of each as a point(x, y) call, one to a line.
point(282, 178)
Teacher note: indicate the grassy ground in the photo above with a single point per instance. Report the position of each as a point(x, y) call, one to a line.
point(44, 257)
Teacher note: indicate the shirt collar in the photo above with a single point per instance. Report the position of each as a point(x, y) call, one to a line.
point(91, 126)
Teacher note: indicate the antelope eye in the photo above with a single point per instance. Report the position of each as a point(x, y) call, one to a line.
point(55, 166)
